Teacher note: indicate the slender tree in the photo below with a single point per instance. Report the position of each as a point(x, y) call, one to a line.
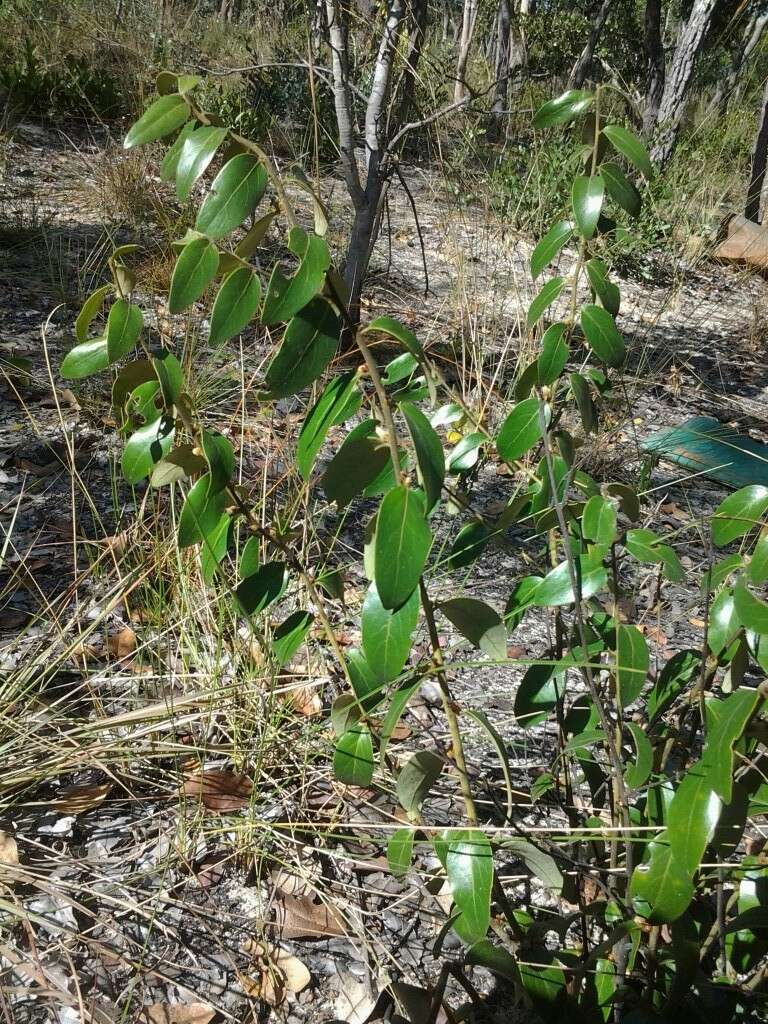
point(759, 158)
point(583, 65)
point(654, 53)
point(469, 19)
point(754, 26)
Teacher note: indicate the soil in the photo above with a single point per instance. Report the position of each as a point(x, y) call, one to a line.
point(141, 899)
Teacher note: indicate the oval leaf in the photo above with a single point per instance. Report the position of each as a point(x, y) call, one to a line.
point(403, 540)
point(309, 344)
point(197, 151)
point(562, 109)
point(195, 268)
point(479, 623)
point(386, 634)
point(234, 194)
point(164, 116)
point(587, 198)
point(520, 430)
point(469, 867)
point(430, 461)
point(629, 146)
point(236, 303)
point(602, 335)
point(739, 513)
point(549, 246)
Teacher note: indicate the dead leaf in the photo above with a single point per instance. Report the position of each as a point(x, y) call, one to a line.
point(400, 732)
point(298, 917)
point(70, 398)
point(123, 644)
point(9, 851)
point(177, 1013)
point(306, 701)
point(35, 469)
point(279, 972)
point(290, 884)
point(79, 799)
point(698, 623)
point(219, 789)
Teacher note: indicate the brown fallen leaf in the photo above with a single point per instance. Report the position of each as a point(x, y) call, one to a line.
point(79, 799)
point(123, 644)
point(305, 701)
point(35, 469)
point(177, 1013)
point(70, 398)
point(299, 917)
point(9, 851)
point(279, 973)
point(219, 789)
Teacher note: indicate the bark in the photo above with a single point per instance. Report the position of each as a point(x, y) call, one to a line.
point(759, 157)
point(502, 69)
point(583, 65)
point(754, 27)
point(678, 79)
point(467, 30)
point(342, 98)
point(654, 53)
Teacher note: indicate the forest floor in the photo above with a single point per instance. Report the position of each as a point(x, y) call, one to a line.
point(134, 900)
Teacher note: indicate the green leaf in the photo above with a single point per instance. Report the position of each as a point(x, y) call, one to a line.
point(320, 419)
point(757, 570)
point(387, 635)
point(266, 585)
point(416, 778)
point(309, 344)
point(169, 374)
point(520, 600)
point(353, 467)
point(521, 430)
point(602, 335)
point(88, 313)
point(629, 146)
point(537, 695)
point(644, 545)
point(179, 464)
point(195, 269)
point(466, 453)
point(632, 663)
point(286, 296)
point(661, 889)
point(145, 447)
point(353, 759)
point(237, 301)
point(399, 368)
point(724, 622)
point(478, 623)
point(290, 634)
point(197, 151)
point(393, 328)
point(538, 863)
point(250, 557)
point(234, 194)
point(584, 403)
point(86, 359)
point(501, 749)
point(199, 514)
point(621, 191)
point(739, 513)
point(734, 713)
point(607, 292)
point(214, 547)
point(554, 355)
point(430, 461)
point(495, 959)
point(469, 867)
point(673, 678)
point(549, 246)
point(400, 851)
point(587, 199)
point(403, 540)
point(751, 611)
point(543, 300)
point(638, 770)
point(693, 816)
point(220, 457)
point(598, 520)
point(253, 238)
point(394, 713)
point(366, 683)
point(562, 109)
point(345, 713)
point(556, 590)
point(164, 116)
point(171, 159)
point(469, 545)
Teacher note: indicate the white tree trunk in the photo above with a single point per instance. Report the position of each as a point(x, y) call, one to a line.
point(467, 30)
point(754, 27)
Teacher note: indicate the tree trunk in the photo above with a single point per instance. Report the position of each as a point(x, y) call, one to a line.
point(654, 52)
point(754, 27)
point(583, 65)
point(503, 44)
point(467, 29)
point(759, 157)
point(679, 77)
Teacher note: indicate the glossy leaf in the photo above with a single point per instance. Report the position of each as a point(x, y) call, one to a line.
point(521, 598)
point(598, 520)
point(733, 715)
point(629, 146)
point(543, 300)
point(161, 118)
point(584, 402)
point(469, 867)
point(353, 467)
point(606, 291)
point(197, 151)
point(89, 311)
point(145, 447)
point(602, 335)
point(416, 778)
point(693, 816)
point(676, 675)
point(466, 453)
point(403, 540)
point(397, 706)
point(638, 770)
point(220, 457)
point(751, 611)
point(170, 161)
point(258, 591)
point(537, 695)
point(549, 246)
point(556, 589)
point(724, 622)
point(394, 329)
point(353, 759)
point(84, 360)
point(194, 270)
point(621, 191)
point(387, 635)
point(479, 623)
point(286, 296)
point(400, 851)
point(554, 355)
point(661, 888)
point(179, 464)
point(199, 514)
point(632, 663)
point(562, 109)
point(587, 200)
point(321, 418)
point(234, 194)
point(430, 461)
point(757, 570)
point(739, 513)
point(521, 430)
point(236, 303)
point(470, 543)
point(309, 344)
